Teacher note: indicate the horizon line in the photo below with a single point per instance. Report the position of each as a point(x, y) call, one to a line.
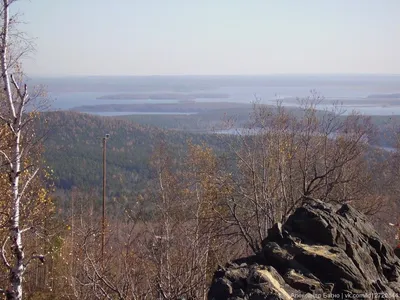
point(209, 75)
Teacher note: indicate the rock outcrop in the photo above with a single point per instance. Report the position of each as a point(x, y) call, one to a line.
point(322, 251)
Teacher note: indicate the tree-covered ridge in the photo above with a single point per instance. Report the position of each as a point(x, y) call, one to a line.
point(73, 144)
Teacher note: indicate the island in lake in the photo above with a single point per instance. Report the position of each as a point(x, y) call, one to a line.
point(385, 96)
point(184, 107)
point(165, 96)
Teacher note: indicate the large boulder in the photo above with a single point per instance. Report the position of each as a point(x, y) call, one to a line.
point(322, 251)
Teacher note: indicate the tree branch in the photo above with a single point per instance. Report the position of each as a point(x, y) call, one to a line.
point(34, 256)
point(22, 95)
point(27, 229)
point(4, 57)
point(3, 254)
point(27, 182)
point(6, 157)
point(7, 121)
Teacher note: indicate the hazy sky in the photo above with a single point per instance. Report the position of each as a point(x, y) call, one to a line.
point(147, 37)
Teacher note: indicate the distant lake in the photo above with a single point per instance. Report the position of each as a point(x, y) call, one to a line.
point(267, 89)
point(127, 113)
point(67, 101)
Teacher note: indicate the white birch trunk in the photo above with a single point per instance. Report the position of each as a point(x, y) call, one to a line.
point(16, 273)
point(14, 116)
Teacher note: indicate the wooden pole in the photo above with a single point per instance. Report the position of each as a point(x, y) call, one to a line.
point(104, 200)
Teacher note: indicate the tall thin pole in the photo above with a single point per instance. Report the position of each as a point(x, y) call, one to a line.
point(72, 236)
point(104, 200)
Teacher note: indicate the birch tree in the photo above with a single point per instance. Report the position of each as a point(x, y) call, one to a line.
point(283, 158)
point(13, 113)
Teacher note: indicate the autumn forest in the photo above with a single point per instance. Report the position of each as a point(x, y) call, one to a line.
point(179, 201)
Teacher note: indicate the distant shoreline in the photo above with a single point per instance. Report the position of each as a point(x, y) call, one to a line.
point(385, 96)
point(165, 96)
point(181, 107)
point(138, 113)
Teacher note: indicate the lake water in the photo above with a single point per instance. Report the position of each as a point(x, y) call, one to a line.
point(127, 113)
point(66, 101)
point(268, 89)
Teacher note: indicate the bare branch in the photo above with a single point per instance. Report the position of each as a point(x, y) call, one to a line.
point(23, 95)
point(3, 254)
point(28, 181)
point(6, 157)
point(4, 57)
point(33, 257)
point(27, 229)
point(5, 120)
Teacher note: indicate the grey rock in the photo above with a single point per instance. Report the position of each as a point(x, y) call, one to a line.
point(322, 251)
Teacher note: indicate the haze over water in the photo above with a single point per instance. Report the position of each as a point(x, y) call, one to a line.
point(152, 38)
point(353, 91)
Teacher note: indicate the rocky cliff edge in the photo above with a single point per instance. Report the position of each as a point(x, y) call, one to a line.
point(323, 251)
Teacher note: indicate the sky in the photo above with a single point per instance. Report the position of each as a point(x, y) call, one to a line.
point(211, 37)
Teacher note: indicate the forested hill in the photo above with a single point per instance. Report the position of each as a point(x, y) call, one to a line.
point(73, 149)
